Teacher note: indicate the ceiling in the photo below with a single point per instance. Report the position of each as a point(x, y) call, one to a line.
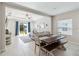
point(51, 8)
point(16, 14)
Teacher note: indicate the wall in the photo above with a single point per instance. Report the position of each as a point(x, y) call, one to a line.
point(2, 27)
point(74, 15)
point(42, 20)
point(11, 26)
point(21, 17)
point(39, 20)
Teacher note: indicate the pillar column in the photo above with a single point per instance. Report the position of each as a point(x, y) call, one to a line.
point(51, 24)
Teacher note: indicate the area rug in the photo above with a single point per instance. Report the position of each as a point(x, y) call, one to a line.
point(25, 39)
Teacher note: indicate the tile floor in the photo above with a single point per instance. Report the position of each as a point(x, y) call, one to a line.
point(18, 48)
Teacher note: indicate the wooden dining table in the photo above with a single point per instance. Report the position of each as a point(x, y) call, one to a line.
point(51, 39)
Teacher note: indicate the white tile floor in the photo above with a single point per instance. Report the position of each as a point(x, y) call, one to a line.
point(18, 48)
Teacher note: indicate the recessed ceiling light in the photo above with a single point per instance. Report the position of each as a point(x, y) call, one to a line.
point(54, 8)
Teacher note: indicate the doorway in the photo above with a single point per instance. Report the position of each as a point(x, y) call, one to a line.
point(24, 28)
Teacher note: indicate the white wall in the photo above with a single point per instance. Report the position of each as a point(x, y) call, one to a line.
point(11, 26)
point(21, 16)
point(42, 20)
point(2, 27)
point(74, 15)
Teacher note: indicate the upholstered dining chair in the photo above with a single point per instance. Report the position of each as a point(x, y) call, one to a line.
point(38, 43)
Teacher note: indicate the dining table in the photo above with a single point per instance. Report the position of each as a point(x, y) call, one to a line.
point(51, 39)
point(54, 39)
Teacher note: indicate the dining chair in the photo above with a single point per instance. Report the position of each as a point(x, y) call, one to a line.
point(38, 42)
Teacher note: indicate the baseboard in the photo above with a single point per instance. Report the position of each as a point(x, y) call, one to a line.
point(76, 43)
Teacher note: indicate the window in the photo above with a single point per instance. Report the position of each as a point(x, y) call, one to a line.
point(65, 26)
